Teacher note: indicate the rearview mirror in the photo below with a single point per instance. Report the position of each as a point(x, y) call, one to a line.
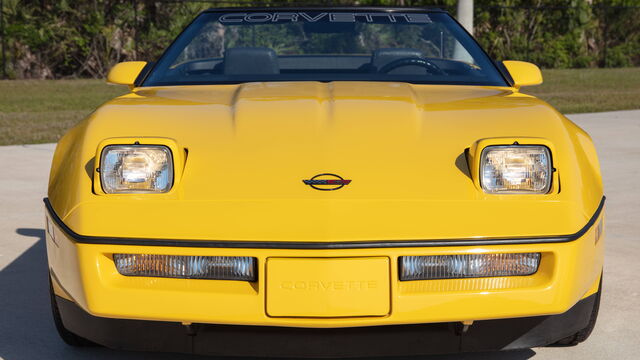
point(125, 73)
point(523, 73)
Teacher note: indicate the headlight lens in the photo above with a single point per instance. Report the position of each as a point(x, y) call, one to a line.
point(136, 169)
point(467, 266)
point(516, 169)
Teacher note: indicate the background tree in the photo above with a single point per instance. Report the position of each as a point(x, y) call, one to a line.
point(84, 38)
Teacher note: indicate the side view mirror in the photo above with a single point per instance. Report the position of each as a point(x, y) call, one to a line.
point(523, 73)
point(125, 73)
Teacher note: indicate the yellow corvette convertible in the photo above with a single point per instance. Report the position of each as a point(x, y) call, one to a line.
point(338, 182)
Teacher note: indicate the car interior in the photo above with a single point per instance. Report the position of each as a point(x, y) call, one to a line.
point(265, 61)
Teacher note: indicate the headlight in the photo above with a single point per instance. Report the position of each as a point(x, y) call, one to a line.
point(516, 169)
point(136, 169)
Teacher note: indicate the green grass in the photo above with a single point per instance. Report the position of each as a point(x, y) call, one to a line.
point(38, 111)
point(589, 90)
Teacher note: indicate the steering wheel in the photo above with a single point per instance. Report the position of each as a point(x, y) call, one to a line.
point(412, 61)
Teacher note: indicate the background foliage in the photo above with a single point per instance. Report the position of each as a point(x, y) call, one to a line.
point(47, 39)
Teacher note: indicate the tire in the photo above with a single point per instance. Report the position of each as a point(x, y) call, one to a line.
point(582, 335)
point(67, 336)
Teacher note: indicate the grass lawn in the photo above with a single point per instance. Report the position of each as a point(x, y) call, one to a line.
point(38, 111)
point(589, 90)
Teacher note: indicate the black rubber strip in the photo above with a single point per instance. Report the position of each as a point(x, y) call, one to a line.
point(322, 245)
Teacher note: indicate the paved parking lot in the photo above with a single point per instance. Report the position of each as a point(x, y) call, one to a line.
point(27, 331)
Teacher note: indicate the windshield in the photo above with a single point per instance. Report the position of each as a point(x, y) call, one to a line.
point(236, 47)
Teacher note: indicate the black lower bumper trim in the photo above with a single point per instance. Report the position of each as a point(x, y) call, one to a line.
point(267, 341)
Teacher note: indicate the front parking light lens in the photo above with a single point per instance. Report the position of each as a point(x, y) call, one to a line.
point(467, 266)
point(516, 169)
point(136, 169)
point(187, 267)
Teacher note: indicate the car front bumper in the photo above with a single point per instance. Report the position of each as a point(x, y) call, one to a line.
point(85, 274)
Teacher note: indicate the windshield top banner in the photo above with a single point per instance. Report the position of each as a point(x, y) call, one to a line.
point(339, 17)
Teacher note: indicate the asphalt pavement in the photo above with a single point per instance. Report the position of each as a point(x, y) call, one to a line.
point(27, 330)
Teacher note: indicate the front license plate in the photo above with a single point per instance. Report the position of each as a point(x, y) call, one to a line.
point(328, 287)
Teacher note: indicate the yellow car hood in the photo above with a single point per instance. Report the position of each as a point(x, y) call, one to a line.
point(249, 147)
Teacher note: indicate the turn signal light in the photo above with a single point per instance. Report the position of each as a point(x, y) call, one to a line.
point(187, 267)
point(467, 266)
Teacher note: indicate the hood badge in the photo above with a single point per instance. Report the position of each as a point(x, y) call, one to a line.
point(327, 182)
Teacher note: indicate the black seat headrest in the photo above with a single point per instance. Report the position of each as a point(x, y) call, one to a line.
point(382, 57)
point(250, 61)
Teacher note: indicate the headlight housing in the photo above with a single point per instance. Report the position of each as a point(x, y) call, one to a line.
point(516, 169)
point(136, 169)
